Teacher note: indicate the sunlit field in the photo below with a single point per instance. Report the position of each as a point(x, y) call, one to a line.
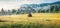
point(38, 20)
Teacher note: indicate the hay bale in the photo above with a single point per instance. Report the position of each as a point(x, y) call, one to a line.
point(29, 15)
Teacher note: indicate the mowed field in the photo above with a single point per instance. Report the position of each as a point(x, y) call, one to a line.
point(35, 16)
point(40, 18)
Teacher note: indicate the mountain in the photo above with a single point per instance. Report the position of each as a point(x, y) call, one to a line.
point(45, 4)
point(58, 2)
point(26, 8)
point(40, 5)
point(30, 5)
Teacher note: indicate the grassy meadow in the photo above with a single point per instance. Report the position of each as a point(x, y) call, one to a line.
point(38, 20)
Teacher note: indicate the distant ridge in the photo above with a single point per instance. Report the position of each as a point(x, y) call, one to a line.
point(40, 5)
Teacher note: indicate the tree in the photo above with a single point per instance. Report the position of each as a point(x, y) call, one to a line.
point(13, 11)
point(2, 11)
point(39, 11)
point(9, 12)
point(57, 9)
point(52, 9)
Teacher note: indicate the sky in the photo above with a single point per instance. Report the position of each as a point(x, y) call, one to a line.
point(15, 4)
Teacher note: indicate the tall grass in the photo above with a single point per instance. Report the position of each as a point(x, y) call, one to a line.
point(30, 25)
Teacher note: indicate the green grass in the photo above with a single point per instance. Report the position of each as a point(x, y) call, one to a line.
point(30, 25)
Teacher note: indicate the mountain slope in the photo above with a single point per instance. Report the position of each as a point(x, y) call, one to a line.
point(40, 5)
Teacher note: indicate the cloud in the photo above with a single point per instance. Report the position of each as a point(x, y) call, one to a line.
point(38, 1)
point(31, 1)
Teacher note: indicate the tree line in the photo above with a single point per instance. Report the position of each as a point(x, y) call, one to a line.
point(26, 10)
